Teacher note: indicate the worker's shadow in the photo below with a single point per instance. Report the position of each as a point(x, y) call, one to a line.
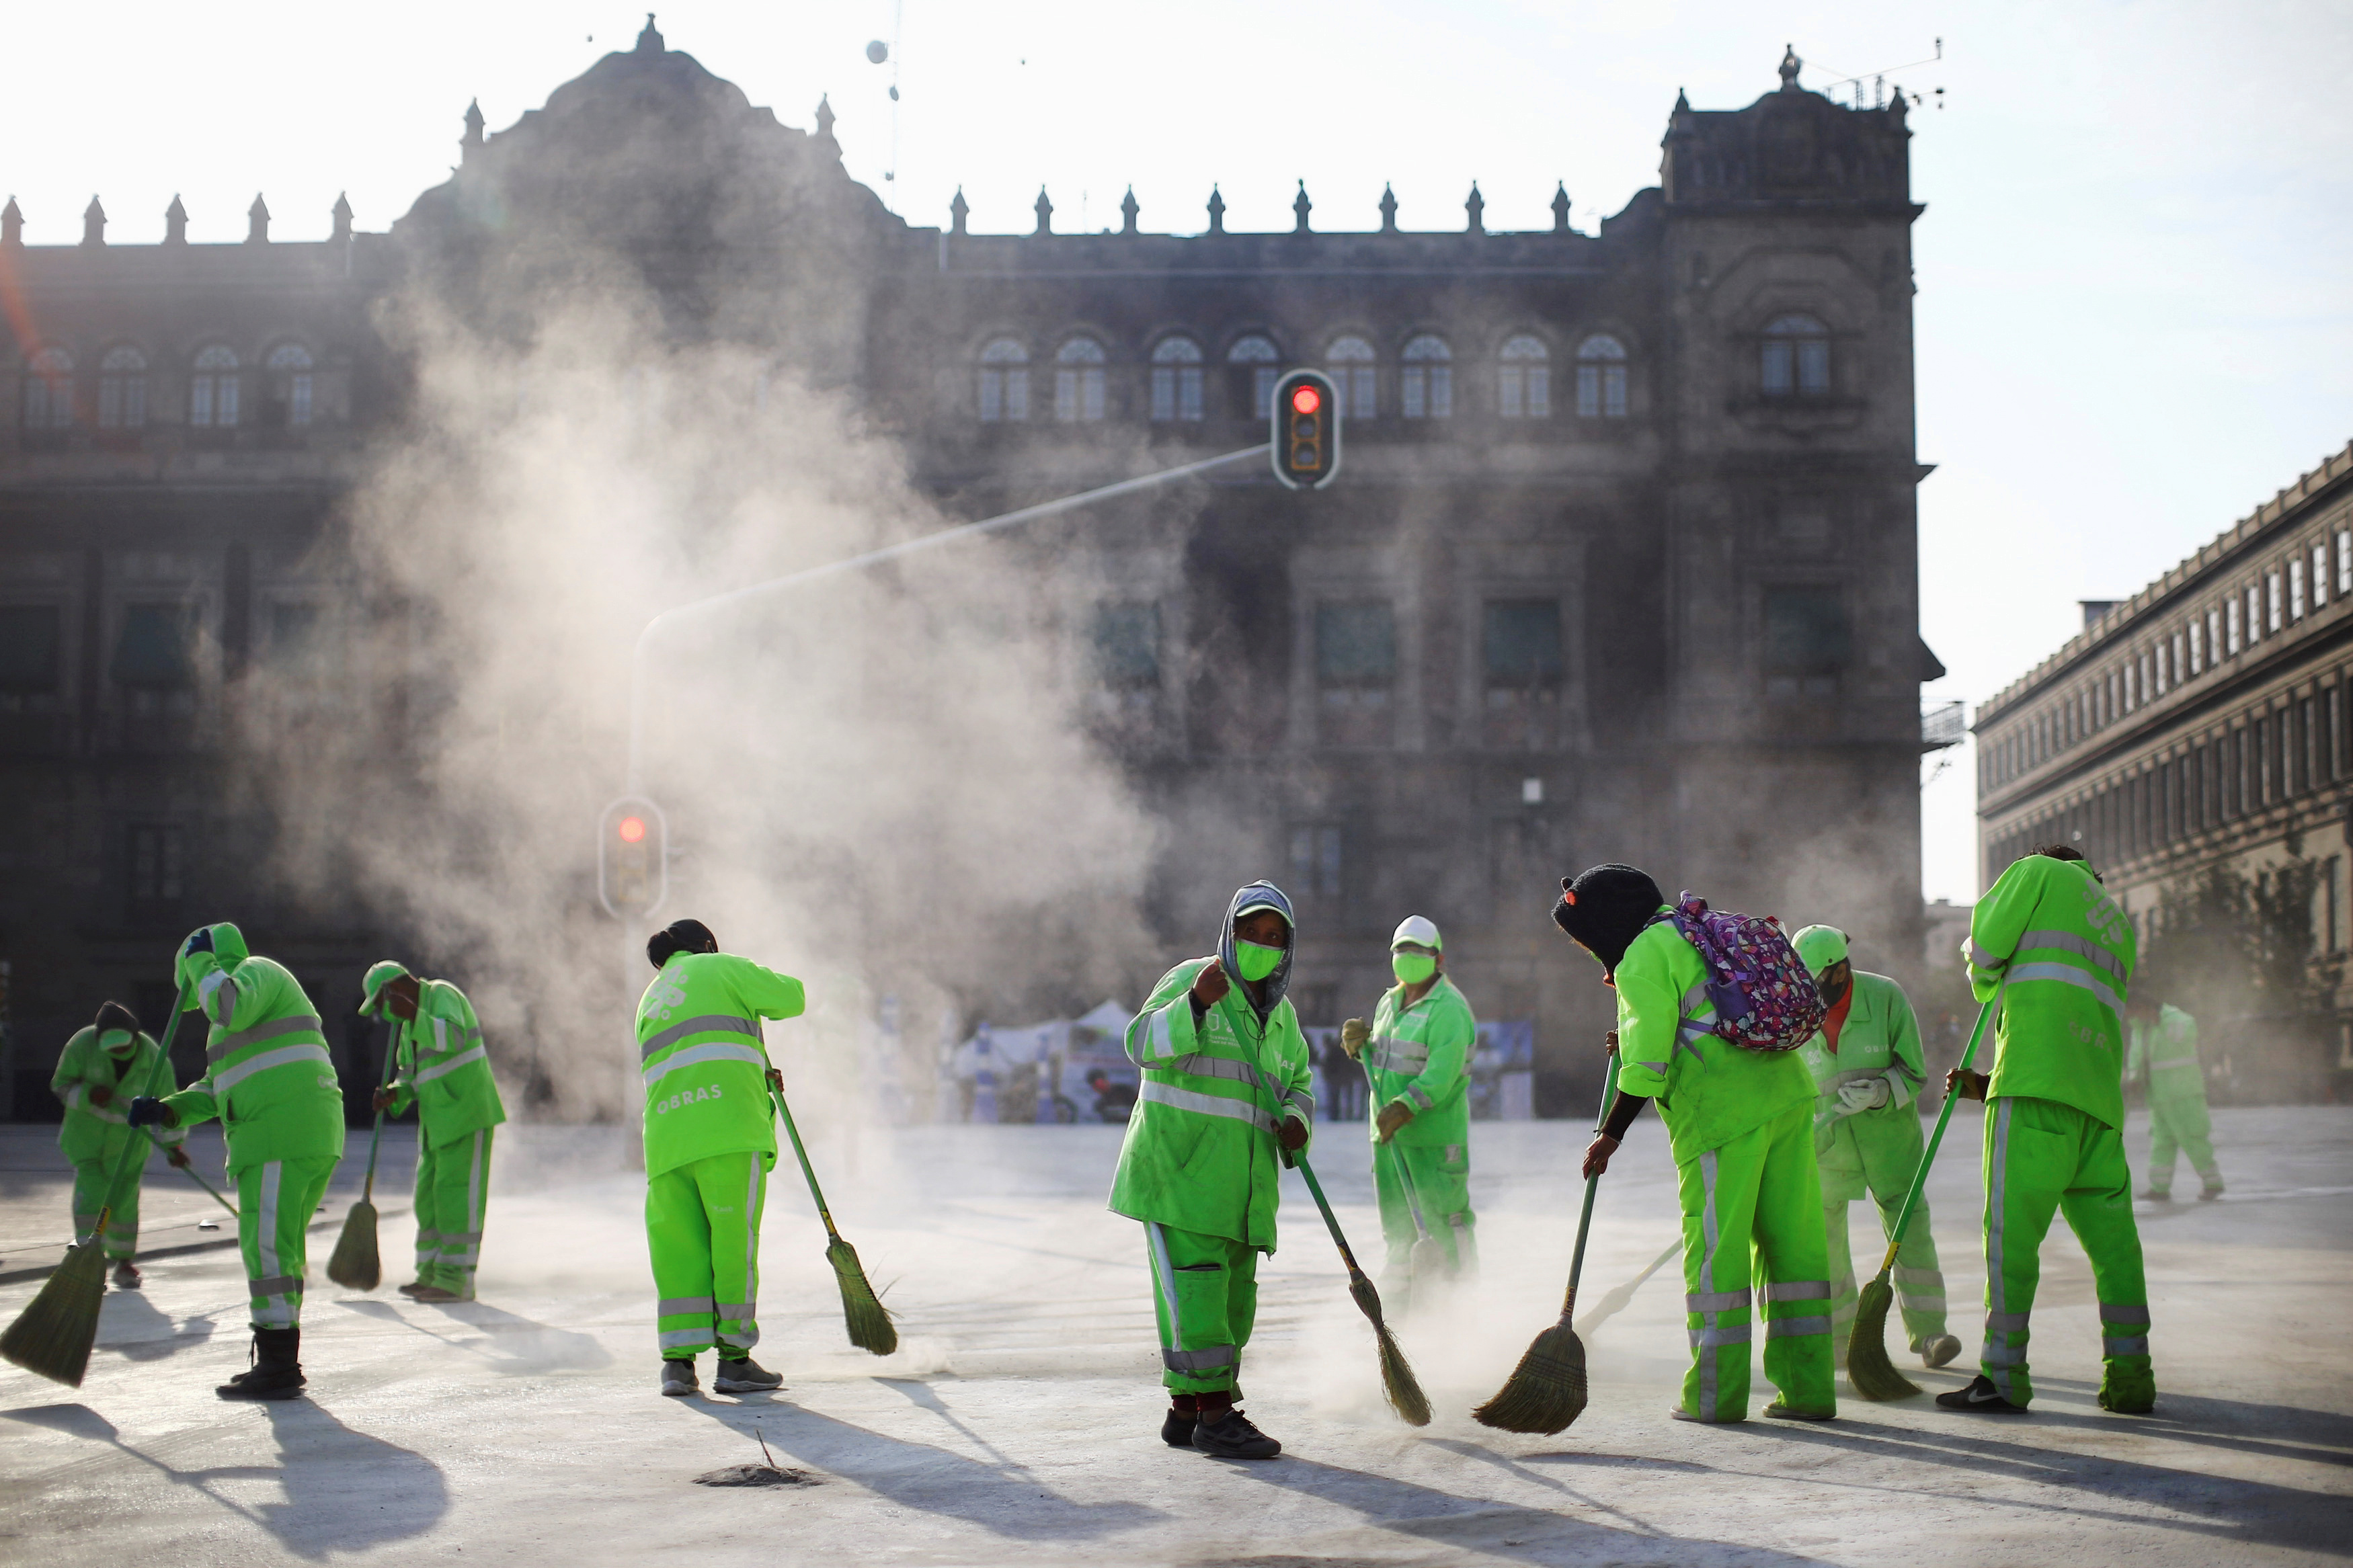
point(503, 1341)
point(997, 1493)
point(130, 1326)
point(318, 1459)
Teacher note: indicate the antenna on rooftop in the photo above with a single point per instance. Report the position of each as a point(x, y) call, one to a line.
point(1878, 80)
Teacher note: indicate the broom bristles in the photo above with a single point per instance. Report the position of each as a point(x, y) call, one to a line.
point(1547, 1391)
point(862, 1311)
point(53, 1335)
point(1873, 1376)
point(356, 1264)
point(1398, 1385)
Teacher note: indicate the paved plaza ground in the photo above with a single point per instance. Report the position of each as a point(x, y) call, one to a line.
point(1019, 1422)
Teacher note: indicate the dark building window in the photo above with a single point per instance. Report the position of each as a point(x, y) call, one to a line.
point(1355, 668)
point(49, 391)
point(290, 385)
point(1079, 382)
point(1807, 641)
point(1426, 387)
point(1602, 379)
point(1177, 379)
point(155, 860)
point(1353, 376)
point(1258, 365)
point(122, 390)
point(32, 639)
point(151, 652)
point(1003, 382)
point(1127, 646)
point(1523, 671)
point(213, 390)
point(1315, 861)
point(1796, 357)
point(1524, 379)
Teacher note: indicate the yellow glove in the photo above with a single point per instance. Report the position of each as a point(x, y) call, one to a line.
point(1394, 1115)
point(1352, 1036)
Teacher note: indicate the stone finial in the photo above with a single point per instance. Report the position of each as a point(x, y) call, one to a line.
point(472, 142)
point(1216, 211)
point(1045, 210)
point(12, 225)
point(1560, 208)
point(1790, 66)
point(257, 222)
point(825, 117)
point(959, 210)
point(342, 216)
point(1388, 209)
point(1300, 208)
point(1128, 211)
point(1477, 207)
point(93, 225)
point(176, 223)
point(1683, 102)
point(650, 42)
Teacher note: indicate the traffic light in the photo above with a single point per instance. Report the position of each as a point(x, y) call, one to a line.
point(1306, 433)
point(632, 858)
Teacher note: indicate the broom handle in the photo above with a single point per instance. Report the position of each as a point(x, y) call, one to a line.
point(1592, 1184)
point(129, 1164)
point(799, 1153)
point(1928, 1156)
point(191, 1172)
point(391, 1060)
point(1330, 1223)
point(1405, 1176)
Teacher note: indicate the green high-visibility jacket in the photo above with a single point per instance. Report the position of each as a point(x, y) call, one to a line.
point(267, 1075)
point(95, 1131)
point(2169, 1055)
point(2049, 938)
point(444, 1068)
point(705, 1068)
point(1421, 1054)
point(1709, 1090)
point(1881, 1038)
point(1200, 1152)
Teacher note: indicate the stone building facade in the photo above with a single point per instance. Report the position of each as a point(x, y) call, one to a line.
point(1622, 563)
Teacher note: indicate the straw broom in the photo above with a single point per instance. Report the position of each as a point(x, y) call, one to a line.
point(1867, 1368)
point(356, 1264)
point(862, 1311)
point(1546, 1391)
point(53, 1335)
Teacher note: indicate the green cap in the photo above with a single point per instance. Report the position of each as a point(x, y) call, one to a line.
point(1819, 947)
point(380, 973)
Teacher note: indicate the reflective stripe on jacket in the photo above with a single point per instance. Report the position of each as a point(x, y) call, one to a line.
point(702, 1061)
point(267, 1074)
point(1709, 1090)
point(1421, 1054)
point(2049, 938)
point(95, 1131)
point(445, 1067)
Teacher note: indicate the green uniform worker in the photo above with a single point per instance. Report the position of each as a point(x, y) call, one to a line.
point(443, 1069)
point(2057, 950)
point(1225, 1086)
point(1740, 1123)
point(1417, 1055)
point(102, 1069)
point(1867, 1070)
point(711, 1138)
point(2168, 1053)
point(270, 1080)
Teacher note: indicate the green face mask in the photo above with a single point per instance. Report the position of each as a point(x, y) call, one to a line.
point(1413, 968)
point(1256, 962)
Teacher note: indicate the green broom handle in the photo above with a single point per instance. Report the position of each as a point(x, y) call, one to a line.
point(794, 1133)
point(1592, 1184)
point(190, 1171)
point(123, 1171)
point(1324, 1204)
point(391, 1061)
point(1928, 1156)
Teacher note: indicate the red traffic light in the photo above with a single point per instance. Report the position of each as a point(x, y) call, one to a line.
point(632, 829)
point(1306, 399)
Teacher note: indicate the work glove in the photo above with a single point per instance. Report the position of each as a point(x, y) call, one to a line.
point(1291, 1134)
point(147, 1110)
point(1966, 1084)
point(1394, 1115)
point(178, 1156)
point(1352, 1036)
point(1862, 1094)
point(196, 959)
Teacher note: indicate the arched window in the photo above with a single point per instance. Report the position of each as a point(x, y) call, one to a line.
point(1257, 357)
point(1427, 383)
point(289, 381)
point(1524, 379)
point(212, 390)
point(49, 391)
point(1353, 376)
point(122, 390)
point(1796, 357)
point(1601, 378)
point(1079, 380)
point(1177, 379)
point(1003, 382)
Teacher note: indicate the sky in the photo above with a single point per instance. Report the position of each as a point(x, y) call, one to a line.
point(2134, 318)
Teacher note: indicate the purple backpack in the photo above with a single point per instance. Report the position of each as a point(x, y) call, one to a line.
point(1765, 999)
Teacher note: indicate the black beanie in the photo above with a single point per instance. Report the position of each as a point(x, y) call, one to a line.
point(679, 936)
point(115, 1016)
point(1606, 908)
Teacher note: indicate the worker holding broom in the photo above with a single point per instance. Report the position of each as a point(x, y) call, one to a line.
point(1868, 1067)
point(1219, 1043)
point(1417, 1055)
point(443, 1069)
point(1740, 1123)
point(102, 1069)
point(710, 1139)
point(268, 1077)
point(2060, 953)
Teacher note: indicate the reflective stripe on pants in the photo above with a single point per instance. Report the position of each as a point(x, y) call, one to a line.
point(703, 1230)
point(1205, 1300)
point(1753, 1228)
point(453, 1184)
point(1874, 1153)
point(275, 1202)
point(90, 1177)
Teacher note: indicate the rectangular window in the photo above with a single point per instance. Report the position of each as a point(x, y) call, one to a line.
point(2202, 791)
point(156, 870)
point(2273, 604)
point(2319, 575)
point(151, 652)
point(2295, 588)
point(1127, 646)
point(32, 642)
point(2335, 748)
point(2307, 745)
point(1262, 381)
point(2265, 779)
point(2148, 668)
point(2132, 695)
point(1807, 641)
point(1522, 673)
point(1355, 668)
point(1315, 861)
point(2231, 631)
point(2344, 562)
point(2331, 932)
point(2197, 647)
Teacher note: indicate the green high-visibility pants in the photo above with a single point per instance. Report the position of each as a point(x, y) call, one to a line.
point(1753, 1213)
point(2180, 1123)
point(1874, 1154)
point(453, 1186)
point(90, 1179)
point(1205, 1295)
point(276, 1201)
point(2041, 1158)
point(702, 1226)
point(1441, 1174)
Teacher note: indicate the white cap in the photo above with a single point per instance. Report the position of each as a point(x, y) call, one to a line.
point(1418, 929)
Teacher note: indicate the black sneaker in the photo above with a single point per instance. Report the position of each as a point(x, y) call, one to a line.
point(677, 1378)
point(1231, 1437)
point(1982, 1396)
point(742, 1375)
point(1176, 1427)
